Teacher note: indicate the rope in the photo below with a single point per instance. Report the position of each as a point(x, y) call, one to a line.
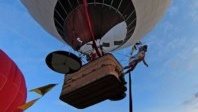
point(130, 94)
point(90, 27)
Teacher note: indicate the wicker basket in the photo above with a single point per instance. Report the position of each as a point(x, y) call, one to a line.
point(94, 82)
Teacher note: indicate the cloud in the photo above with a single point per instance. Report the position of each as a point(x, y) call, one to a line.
point(191, 105)
point(173, 50)
point(193, 12)
point(174, 46)
point(196, 95)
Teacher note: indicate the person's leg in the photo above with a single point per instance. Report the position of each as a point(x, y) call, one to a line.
point(126, 67)
point(132, 67)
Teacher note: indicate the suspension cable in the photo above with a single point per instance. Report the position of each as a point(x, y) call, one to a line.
point(90, 27)
point(130, 94)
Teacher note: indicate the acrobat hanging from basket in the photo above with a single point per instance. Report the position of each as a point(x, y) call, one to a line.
point(135, 59)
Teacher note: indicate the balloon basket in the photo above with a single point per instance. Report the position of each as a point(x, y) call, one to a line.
point(95, 82)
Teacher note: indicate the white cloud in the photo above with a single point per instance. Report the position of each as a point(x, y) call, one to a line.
point(191, 105)
point(173, 52)
point(193, 12)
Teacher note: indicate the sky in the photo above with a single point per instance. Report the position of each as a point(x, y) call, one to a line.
point(169, 84)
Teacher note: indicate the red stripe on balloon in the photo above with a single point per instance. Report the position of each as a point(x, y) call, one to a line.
point(90, 27)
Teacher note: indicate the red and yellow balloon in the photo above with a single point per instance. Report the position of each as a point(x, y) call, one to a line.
point(13, 91)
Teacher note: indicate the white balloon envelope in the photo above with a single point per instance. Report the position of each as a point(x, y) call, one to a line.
point(116, 24)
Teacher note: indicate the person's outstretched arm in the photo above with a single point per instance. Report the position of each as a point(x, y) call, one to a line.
point(145, 63)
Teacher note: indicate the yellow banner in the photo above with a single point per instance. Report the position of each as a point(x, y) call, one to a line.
point(44, 89)
point(28, 104)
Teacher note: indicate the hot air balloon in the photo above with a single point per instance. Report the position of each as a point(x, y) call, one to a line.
point(13, 90)
point(96, 28)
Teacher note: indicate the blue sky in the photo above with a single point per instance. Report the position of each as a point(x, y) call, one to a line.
point(168, 85)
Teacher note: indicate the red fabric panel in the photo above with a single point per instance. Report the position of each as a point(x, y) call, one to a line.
point(13, 91)
point(101, 18)
point(76, 26)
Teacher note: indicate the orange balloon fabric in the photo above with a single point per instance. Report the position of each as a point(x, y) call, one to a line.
point(13, 91)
